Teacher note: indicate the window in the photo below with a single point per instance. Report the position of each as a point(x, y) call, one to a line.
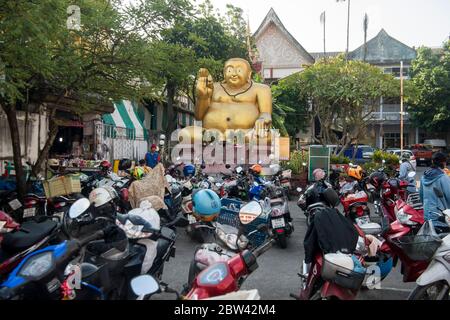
point(395, 71)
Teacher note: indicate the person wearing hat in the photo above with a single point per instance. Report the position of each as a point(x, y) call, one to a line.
point(153, 157)
point(405, 168)
point(432, 180)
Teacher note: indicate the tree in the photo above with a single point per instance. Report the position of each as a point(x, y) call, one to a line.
point(109, 57)
point(344, 96)
point(203, 39)
point(290, 112)
point(430, 74)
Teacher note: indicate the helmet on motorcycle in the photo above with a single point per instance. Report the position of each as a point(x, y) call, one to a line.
point(7, 224)
point(355, 172)
point(319, 174)
point(189, 170)
point(256, 168)
point(101, 196)
point(138, 173)
point(206, 204)
point(331, 197)
point(406, 156)
point(105, 165)
point(377, 178)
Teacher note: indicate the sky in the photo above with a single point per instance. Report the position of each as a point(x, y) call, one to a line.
point(413, 22)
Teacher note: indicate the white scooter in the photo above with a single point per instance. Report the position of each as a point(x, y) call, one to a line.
point(434, 283)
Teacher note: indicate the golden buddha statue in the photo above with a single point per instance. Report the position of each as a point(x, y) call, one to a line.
point(236, 103)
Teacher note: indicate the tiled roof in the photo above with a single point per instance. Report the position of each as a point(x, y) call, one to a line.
point(383, 49)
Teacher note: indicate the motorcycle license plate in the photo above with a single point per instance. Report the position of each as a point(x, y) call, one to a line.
point(278, 223)
point(29, 212)
point(192, 219)
point(15, 204)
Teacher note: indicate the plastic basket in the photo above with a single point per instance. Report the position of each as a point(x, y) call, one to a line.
point(420, 247)
point(342, 276)
point(229, 214)
point(72, 183)
point(55, 187)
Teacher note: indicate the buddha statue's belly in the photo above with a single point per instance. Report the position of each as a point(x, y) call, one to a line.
point(223, 116)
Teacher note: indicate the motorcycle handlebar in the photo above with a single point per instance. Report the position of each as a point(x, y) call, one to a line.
point(262, 249)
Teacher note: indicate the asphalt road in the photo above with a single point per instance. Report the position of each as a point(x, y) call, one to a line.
point(276, 276)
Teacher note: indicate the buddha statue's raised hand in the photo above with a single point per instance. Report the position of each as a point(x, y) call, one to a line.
point(205, 84)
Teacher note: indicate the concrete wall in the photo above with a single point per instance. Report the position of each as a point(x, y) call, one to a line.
point(35, 140)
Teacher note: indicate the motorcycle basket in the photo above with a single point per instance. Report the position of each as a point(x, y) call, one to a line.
point(342, 276)
point(229, 214)
point(420, 247)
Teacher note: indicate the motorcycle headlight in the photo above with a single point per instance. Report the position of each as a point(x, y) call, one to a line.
point(37, 265)
point(243, 242)
point(404, 218)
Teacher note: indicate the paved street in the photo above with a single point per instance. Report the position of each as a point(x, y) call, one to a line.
point(278, 268)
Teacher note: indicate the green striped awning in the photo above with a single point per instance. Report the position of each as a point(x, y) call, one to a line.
point(127, 117)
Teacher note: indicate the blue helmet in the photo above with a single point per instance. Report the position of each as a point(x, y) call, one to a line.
point(189, 170)
point(206, 203)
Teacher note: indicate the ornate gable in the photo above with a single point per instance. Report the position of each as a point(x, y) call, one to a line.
point(277, 48)
point(384, 49)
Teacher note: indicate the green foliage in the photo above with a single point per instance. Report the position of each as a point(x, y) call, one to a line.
point(289, 107)
point(344, 95)
point(391, 162)
point(334, 159)
point(430, 75)
point(296, 161)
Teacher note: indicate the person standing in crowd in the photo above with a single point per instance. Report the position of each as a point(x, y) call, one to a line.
point(153, 157)
point(144, 166)
point(435, 178)
point(405, 168)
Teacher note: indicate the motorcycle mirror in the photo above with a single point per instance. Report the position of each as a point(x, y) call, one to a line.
point(227, 166)
point(203, 166)
point(78, 208)
point(250, 212)
point(438, 192)
point(412, 174)
point(144, 285)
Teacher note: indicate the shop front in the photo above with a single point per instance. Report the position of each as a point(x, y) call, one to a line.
point(123, 132)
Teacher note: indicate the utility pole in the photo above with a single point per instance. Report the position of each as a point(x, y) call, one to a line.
point(322, 20)
point(401, 107)
point(348, 25)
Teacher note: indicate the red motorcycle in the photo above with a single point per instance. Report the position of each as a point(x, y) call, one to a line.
point(17, 241)
point(409, 220)
point(327, 279)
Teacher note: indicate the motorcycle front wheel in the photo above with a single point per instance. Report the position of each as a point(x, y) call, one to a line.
point(438, 290)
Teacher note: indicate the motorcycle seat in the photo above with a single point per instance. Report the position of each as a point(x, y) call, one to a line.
point(30, 233)
point(33, 195)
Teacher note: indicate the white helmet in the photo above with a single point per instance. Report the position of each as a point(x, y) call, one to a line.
point(101, 196)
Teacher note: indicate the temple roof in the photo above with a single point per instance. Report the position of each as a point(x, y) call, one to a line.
point(384, 49)
point(272, 17)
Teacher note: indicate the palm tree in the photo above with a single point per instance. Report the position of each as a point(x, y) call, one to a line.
point(365, 27)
